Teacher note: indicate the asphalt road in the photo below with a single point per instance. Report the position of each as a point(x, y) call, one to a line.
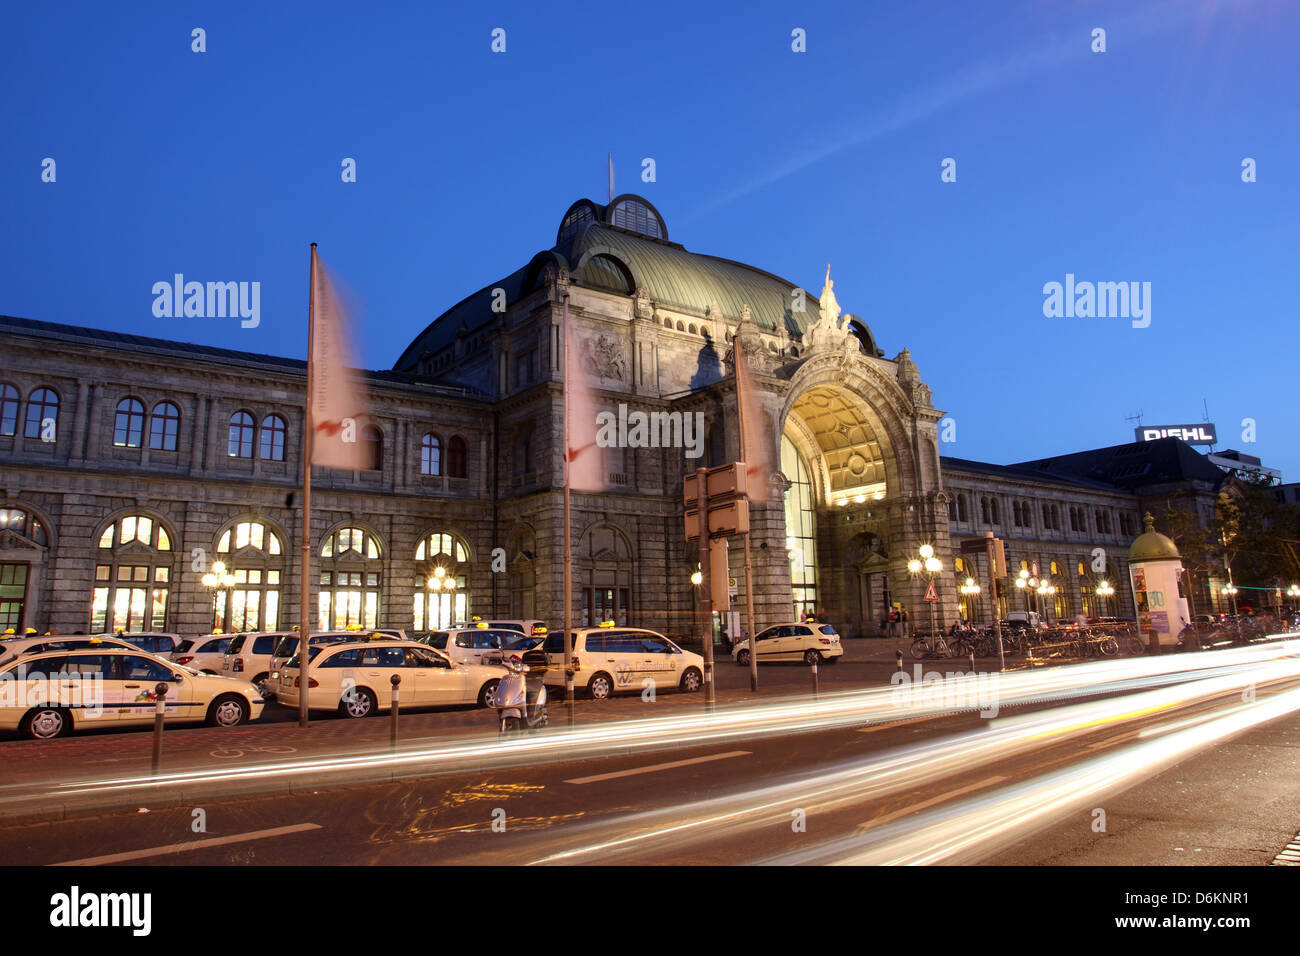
point(1006, 790)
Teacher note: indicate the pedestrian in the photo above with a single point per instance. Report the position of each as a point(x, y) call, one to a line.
point(906, 623)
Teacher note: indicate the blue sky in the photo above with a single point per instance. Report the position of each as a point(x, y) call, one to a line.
point(1115, 166)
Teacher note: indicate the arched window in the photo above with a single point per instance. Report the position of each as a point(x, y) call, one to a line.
point(24, 523)
point(8, 411)
point(800, 530)
point(431, 455)
point(603, 569)
point(952, 509)
point(961, 508)
point(42, 413)
point(441, 595)
point(351, 579)
point(241, 435)
point(132, 576)
point(274, 431)
point(164, 426)
point(254, 556)
point(373, 453)
point(457, 466)
point(984, 510)
point(993, 510)
point(128, 425)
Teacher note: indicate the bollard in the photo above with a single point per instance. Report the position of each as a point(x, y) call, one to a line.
point(816, 687)
point(899, 655)
point(972, 662)
point(159, 712)
point(396, 679)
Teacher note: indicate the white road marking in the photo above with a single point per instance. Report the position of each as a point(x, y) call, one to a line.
point(659, 766)
point(193, 845)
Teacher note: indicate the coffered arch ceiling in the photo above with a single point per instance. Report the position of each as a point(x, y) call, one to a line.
point(853, 457)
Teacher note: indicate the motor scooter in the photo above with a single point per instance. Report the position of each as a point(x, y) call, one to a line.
point(520, 703)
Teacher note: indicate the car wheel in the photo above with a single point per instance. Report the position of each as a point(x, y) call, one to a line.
point(227, 711)
point(487, 696)
point(691, 680)
point(361, 703)
point(743, 658)
point(509, 725)
point(260, 683)
point(811, 657)
point(600, 686)
point(45, 723)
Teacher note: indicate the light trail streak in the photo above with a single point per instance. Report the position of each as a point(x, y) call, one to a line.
point(971, 829)
point(674, 829)
point(740, 722)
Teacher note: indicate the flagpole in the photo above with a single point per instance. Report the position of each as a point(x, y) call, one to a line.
point(304, 610)
point(749, 571)
point(568, 547)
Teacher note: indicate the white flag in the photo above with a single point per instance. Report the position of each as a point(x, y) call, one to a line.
point(336, 403)
point(586, 459)
point(759, 455)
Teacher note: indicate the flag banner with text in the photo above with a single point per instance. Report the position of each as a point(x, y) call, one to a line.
point(758, 454)
point(586, 459)
point(337, 402)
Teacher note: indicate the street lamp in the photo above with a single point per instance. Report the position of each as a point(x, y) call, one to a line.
point(1105, 591)
point(1026, 584)
point(970, 590)
point(1045, 590)
point(218, 581)
point(928, 564)
point(1231, 593)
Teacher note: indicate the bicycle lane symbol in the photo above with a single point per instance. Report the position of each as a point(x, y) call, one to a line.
point(230, 753)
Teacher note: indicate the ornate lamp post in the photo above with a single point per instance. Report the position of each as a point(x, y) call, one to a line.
point(928, 564)
point(1045, 590)
point(1105, 591)
point(1027, 586)
point(218, 581)
point(970, 590)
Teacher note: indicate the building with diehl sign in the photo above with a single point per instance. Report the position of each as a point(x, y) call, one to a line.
point(130, 464)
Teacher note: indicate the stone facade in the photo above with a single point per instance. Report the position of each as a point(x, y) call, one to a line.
point(655, 328)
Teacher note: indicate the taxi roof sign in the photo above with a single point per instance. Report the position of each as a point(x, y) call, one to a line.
point(606, 624)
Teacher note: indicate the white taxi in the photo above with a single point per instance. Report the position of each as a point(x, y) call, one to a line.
point(480, 644)
point(609, 658)
point(202, 653)
point(50, 694)
point(355, 678)
point(809, 642)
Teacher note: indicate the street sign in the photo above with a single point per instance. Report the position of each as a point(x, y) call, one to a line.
point(929, 592)
point(719, 482)
point(730, 517)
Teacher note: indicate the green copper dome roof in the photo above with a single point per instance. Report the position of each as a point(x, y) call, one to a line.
point(622, 247)
point(1151, 545)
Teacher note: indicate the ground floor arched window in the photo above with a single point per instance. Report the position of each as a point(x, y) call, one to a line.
point(800, 530)
point(351, 579)
point(253, 556)
point(441, 597)
point(132, 576)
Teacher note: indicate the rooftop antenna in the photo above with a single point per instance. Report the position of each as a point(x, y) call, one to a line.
point(1135, 418)
point(1205, 405)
